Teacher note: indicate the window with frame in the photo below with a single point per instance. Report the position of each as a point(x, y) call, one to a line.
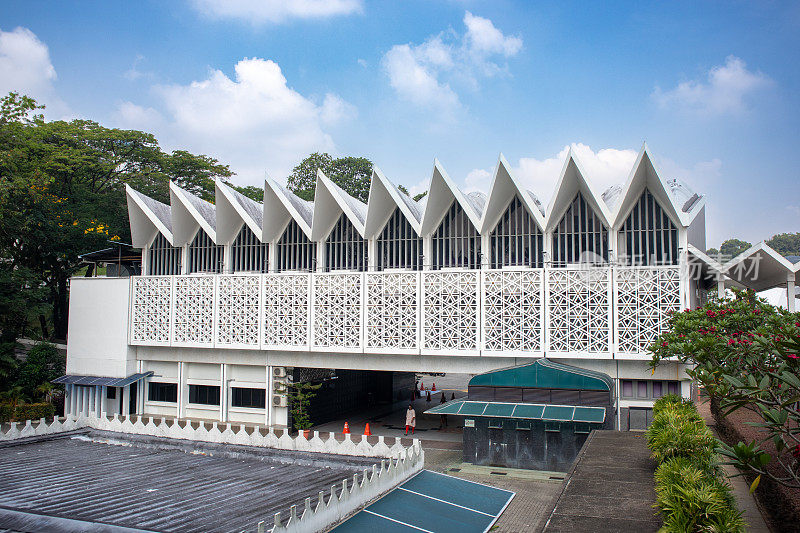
point(295, 252)
point(456, 243)
point(345, 249)
point(248, 397)
point(111, 393)
point(248, 253)
point(204, 394)
point(399, 246)
point(516, 239)
point(648, 236)
point(162, 392)
point(163, 259)
point(580, 236)
point(204, 255)
point(633, 389)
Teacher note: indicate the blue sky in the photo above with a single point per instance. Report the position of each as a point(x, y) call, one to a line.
point(712, 87)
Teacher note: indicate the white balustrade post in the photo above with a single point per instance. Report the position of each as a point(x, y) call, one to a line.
point(181, 407)
point(790, 297)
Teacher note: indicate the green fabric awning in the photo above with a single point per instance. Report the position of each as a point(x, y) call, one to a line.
point(545, 374)
point(524, 411)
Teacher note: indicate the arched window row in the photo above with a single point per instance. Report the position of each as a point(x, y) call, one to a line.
point(580, 236)
point(398, 245)
point(516, 239)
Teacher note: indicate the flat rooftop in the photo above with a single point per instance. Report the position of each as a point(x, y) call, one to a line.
point(151, 484)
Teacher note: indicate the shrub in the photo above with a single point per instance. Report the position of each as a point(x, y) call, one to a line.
point(34, 411)
point(6, 411)
point(678, 431)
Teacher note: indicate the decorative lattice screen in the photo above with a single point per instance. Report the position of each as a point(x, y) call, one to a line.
point(392, 310)
point(237, 310)
point(337, 310)
point(194, 310)
point(451, 310)
point(150, 310)
point(579, 310)
point(286, 302)
point(512, 310)
point(645, 298)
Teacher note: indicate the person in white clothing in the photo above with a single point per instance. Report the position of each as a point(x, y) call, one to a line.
point(411, 419)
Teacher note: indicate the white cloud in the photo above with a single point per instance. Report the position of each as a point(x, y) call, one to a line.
point(25, 67)
point(478, 179)
point(262, 11)
point(254, 122)
point(423, 73)
point(605, 167)
point(134, 73)
point(726, 90)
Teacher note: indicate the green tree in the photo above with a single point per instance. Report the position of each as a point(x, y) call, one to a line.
point(733, 247)
point(353, 174)
point(786, 243)
point(43, 364)
point(62, 192)
point(251, 191)
point(300, 395)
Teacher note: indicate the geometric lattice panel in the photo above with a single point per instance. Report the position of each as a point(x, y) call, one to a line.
point(150, 309)
point(237, 310)
point(578, 307)
point(286, 309)
point(194, 310)
point(451, 310)
point(645, 298)
point(392, 310)
point(337, 310)
point(512, 310)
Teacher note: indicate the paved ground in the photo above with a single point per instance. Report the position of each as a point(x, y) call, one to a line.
point(139, 484)
point(609, 489)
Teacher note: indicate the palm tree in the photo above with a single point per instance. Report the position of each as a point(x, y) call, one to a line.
point(46, 391)
point(14, 396)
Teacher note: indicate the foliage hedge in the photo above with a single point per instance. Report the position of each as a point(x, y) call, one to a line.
point(691, 491)
point(26, 411)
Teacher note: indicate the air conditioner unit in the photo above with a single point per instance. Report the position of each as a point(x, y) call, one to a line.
point(278, 387)
point(278, 400)
point(278, 372)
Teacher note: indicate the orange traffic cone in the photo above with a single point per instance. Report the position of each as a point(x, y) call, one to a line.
point(434, 387)
point(346, 428)
point(421, 386)
point(367, 432)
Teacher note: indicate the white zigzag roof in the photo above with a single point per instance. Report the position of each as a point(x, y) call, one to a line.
point(180, 220)
point(233, 209)
point(504, 187)
point(330, 201)
point(188, 213)
point(280, 204)
point(441, 194)
point(384, 197)
point(147, 218)
point(570, 183)
point(760, 267)
point(644, 175)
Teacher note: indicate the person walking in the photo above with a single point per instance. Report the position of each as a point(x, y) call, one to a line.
point(411, 419)
point(442, 417)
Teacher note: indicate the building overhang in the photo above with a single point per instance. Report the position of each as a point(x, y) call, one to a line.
point(760, 268)
point(147, 218)
point(233, 209)
point(281, 205)
point(190, 213)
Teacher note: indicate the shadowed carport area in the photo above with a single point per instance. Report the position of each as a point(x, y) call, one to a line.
point(162, 485)
point(610, 487)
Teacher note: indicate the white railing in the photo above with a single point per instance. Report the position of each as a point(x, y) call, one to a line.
point(566, 312)
point(240, 434)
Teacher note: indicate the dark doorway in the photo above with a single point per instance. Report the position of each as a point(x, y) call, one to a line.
point(134, 390)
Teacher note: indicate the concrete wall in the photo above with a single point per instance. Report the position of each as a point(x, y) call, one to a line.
point(98, 328)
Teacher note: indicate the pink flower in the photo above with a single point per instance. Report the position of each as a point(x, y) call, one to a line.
point(792, 356)
point(711, 314)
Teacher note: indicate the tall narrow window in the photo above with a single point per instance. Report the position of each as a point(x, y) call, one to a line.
point(163, 259)
point(456, 242)
point(345, 249)
point(204, 255)
point(248, 254)
point(516, 240)
point(398, 244)
point(295, 251)
point(648, 236)
point(580, 236)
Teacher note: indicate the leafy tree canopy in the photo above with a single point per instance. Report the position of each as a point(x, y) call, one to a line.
point(786, 243)
point(62, 194)
point(353, 174)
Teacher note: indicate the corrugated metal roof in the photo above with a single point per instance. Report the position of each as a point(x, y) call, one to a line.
point(545, 374)
point(72, 379)
point(524, 411)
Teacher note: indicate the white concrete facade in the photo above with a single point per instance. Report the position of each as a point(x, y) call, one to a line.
point(232, 329)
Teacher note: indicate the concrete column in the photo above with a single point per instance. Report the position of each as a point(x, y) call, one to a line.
point(272, 252)
point(720, 289)
point(75, 400)
point(126, 400)
point(223, 392)
point(103, 400)
point(790, 303)
point(67, 399)
point(98, 400)
point(181, 410)
point(268, 406)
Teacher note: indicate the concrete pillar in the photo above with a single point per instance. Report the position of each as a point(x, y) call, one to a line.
point(98, 400)
point(720, 289)
point(268, 406)
point(181, 409)
point(223, 392)
point(103, 400)
point(790, 303)
point(126, 400)
point(67, 399)
point(74, 403)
